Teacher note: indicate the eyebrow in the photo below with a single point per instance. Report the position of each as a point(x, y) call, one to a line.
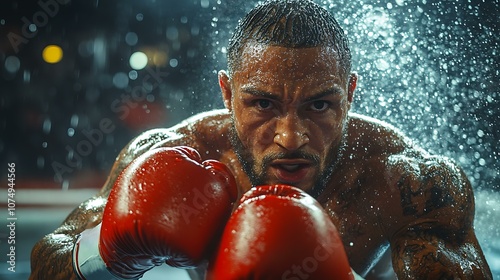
point(335, 90)
point(260, 93)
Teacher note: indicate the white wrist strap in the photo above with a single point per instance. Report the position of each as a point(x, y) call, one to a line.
point(87, 261)
point(356, 276)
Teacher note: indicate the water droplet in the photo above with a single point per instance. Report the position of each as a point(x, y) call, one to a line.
point(40, 162)
point(382, 64)
point(120, 80)
point(46, 126)
point(172, 33)
point(26, 76)
point(32, 27)
point(74, 120)
point(65, 185)
point(12, 64)
point(131, 38)
point(205, 3)
point(138, 60)
point(173, 62)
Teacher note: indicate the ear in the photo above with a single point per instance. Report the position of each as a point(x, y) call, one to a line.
point(353, 79)
point(225, 88)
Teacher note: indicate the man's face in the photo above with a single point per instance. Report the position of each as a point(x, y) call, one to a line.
point(289, 108)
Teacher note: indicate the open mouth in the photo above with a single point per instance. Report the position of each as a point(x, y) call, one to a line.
point(291, 171)
point(290, 167)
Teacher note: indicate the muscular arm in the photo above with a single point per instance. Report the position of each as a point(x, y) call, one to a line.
point(427, 252)
point(437, 240)
point(51, 257)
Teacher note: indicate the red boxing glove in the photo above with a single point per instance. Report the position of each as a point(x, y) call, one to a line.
point(279, 232)
point(166, 206)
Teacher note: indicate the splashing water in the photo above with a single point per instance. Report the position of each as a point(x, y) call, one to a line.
point(430, 69)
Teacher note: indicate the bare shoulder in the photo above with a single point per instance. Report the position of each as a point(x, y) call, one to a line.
point(89, 213)
point(376, 137)
point(431, 187)
point(207, 131)
point(421, 186)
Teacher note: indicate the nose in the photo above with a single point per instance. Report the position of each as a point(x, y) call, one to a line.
point(291, 133)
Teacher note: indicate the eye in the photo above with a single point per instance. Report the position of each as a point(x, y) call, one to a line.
point(263, 104)
point(320, 105)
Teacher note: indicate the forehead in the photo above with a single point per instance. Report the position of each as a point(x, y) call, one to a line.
point(260, 62)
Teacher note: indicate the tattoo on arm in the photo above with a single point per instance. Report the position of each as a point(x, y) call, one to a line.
point(423, 254)
point(438, 241)
point(432, 185)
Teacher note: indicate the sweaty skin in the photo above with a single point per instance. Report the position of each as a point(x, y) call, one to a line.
point(381, 189)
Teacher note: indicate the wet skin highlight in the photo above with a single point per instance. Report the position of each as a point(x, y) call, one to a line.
point(296, 107)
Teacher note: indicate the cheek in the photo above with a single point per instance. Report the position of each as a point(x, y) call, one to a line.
point(264, 135)
point(324, 134)
point(258, 136)
point(328, 128)
point(253, 134)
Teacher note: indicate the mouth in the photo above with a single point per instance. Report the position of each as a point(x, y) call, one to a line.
point(291, 170)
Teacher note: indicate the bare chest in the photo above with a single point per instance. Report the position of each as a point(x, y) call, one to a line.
point(354, 207)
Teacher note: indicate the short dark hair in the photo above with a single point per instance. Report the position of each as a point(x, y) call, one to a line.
point(292, 24)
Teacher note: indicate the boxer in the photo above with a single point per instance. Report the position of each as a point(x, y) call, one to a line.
point(287, 94)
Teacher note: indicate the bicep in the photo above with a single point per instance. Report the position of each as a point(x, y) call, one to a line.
point(435, 237)
point(430, 252)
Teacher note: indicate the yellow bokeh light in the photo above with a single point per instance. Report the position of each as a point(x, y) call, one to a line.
point(52, 54)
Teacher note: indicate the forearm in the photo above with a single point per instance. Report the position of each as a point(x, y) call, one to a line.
point(51, 257)
point(419, 262)
point(442, 270)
